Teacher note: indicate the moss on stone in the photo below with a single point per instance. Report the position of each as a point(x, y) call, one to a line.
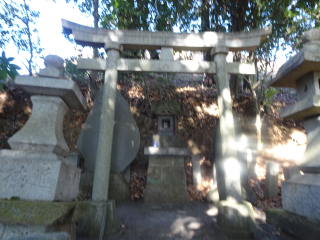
point(37, 212)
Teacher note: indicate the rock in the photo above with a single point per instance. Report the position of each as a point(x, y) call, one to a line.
point(272, 173)
point(54, 61)
point(196, 172)
point(126, 136)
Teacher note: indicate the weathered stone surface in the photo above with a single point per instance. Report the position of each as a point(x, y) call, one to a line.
point(118, 188)
point(310, 161)
point(41, 236)
point(301, 195)
point(305, 61)
point(73, 158)
point(51, 72)
point(40, 212)
point(311, 35)
point(90, 225)
point(271, 186)
point(37, 176)
point(196, 171)
point(126, 136)
point(166, 141)
point(68, 91)
point(183, 66)
point(165, 107)
point(298, 226)
point(213, 195)
point(127, 174)
point(166, 182)
point(179, 41)
point(305, 108)
point(236, 220)
point(54, 61)
point(290, 171)
point(43, 131)
point(166, 151)
point(21, 230)
point(166, 54)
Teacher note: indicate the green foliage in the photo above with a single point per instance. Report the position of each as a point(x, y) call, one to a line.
point(17, 24)
point(7, 68)
point(268, 95)
point(71, 71)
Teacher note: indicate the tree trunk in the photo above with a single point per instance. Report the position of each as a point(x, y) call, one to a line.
point(93, 88)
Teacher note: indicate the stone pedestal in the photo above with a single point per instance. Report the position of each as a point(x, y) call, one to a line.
point(37, 176)
point(166, 181)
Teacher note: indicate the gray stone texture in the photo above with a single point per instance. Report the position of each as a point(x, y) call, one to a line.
point(118, 188)
point(166, 182)
point(298, 226)
point(166, 141)
point(301, 195)
point(126, 137)
point(51, 72)
point(196, 171)
point(155, 151)
point(310, 161)
point(42, 236)
point(290, 171)
point(37, 176)
point(74, 158)
point(236, 220)
point(88, 36)
point(272, 174)
point(90, 225)
point(67, 90)
point(232, 183)
point(127, 174)
point(43, 131)
point(166, 54)
point(54, 61)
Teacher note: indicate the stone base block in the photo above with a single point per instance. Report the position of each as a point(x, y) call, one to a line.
point(118, 187)
point(235, 220)
point(37, 176)
point(102, 216)
point(301, 195)
point(298, 226)
point(166, 182)
point(24, 219)
point(166, 141)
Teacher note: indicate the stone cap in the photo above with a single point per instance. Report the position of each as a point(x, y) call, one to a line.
point(172, 151)
point(68, 91)
point(305, 108)
point(54, 65)
point(304, 62)
point(165, 107)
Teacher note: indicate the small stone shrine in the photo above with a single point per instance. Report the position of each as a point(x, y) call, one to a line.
point(36, 168)
point(166, 181)
point(300, 193)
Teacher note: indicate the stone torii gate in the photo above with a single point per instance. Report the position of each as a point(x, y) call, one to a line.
point(218, 44)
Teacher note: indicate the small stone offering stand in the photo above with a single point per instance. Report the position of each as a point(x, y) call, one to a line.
point(166, 181)
point(301, 193)
point(35, 172)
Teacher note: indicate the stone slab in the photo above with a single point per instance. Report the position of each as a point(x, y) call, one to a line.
point(196, 171)
point(67, 90)
point(160, 151)
point(74, 158)
point(290, 171)
point(272, 174)
point(296, 225)
point(37, 176)
point(166, 182)
point(126, 136)
point(90, 225)
point(166, 141)
point(301, 195)
point(51, 72)
point(41, 236)
point(303, 109)
point(305, 61)
point(178, 41)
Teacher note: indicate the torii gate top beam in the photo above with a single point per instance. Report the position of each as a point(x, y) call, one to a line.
point(132, 39)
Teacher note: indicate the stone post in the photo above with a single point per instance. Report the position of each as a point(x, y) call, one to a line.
point(103, 160)
point(235, 216)
point(271, 187)
point(229, 151)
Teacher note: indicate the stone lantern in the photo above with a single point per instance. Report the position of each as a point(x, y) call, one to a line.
point(300, 193)
point(36, 167)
